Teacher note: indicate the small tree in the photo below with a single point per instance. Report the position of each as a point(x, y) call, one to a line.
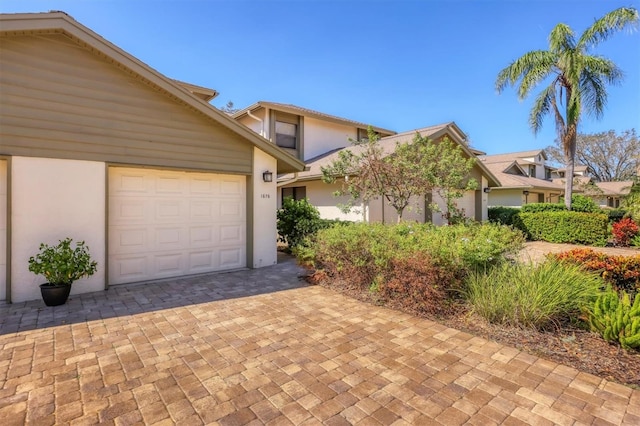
point(451, 178)
point(411, 169)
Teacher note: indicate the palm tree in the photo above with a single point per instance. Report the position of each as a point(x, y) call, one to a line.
point(578, 79)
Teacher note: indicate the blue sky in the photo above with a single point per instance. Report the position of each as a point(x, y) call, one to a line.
point(394, 64)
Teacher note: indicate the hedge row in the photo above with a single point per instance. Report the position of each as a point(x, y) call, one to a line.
point(554, 225)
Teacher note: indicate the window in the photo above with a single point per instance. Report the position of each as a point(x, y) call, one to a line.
point(532, 171)
point(363, 135)
point(295, 192)
point(547, 173)
point(286, 135)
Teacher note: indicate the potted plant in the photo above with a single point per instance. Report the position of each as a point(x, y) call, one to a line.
point(61, 265)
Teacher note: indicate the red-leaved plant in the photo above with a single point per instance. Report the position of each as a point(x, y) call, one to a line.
point(622, 272)
point(623, 231)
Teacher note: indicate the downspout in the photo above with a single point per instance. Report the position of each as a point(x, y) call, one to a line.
point(261, 123)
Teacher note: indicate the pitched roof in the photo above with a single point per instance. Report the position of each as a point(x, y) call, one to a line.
point(510, 181)
point(388, 145)
point(61, 23)
point(619, 188)
point(294, 109)
point(511, 156)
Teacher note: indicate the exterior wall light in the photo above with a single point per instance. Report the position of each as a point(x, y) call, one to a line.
point(486, 190)
point(267, 176)
point(526, 193)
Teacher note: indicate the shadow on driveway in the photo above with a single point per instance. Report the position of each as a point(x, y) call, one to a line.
point(171, 293)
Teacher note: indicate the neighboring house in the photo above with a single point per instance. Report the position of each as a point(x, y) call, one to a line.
point(97, 146)
point(612, 193)
point(302, 132)
point(578, 171)
point(309, 184)
point(524, 178)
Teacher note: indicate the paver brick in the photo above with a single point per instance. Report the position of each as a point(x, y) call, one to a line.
point(236, 348)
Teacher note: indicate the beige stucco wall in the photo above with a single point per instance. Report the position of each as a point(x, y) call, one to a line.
point(264, 211)
point(3, 229)
point(381, 211)
point(323, 136)
point(321, 196)
point(53, 199)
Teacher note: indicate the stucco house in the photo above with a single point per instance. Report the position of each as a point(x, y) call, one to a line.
point(317, 138)
point(524, 178)
point(97, 146)
point(612, 193)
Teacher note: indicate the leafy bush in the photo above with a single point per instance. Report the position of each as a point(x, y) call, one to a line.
point(624, 231)
point(416, 282)
point(542, 207)
point(564, 227)
point(622, 272)
point(528, 295)
point(296, 221)
point(502, 215)
point(615, 214)
point(361, 252)
point(584, 204)
point(63, 264)
point(616, 319)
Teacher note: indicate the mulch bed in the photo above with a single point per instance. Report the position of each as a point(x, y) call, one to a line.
point(567, 344)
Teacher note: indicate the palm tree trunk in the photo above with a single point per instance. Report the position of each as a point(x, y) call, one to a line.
point(569, 157)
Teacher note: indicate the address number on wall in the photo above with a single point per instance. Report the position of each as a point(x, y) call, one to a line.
point(265, 195)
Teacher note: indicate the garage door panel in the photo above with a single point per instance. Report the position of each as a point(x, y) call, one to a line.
point(201, 185)
point(167, 223)
point(202, 261)
point(128, 269)
point(170, 238)
point(129, 182)
point(170, 184)
point(231, 258)
point(169, 264)
point(203, 211)
point(127, 210)
point(169, 210)
point(128, 240)
point(202, 236)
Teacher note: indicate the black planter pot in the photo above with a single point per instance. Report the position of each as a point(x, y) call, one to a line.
point(55, 295)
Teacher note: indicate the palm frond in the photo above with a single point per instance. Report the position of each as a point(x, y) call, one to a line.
point(561, 38)
point(541, 108)
point(606, 26)
point(538, 63)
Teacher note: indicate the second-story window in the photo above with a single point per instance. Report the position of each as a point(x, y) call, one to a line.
point(286, 134)
point(532, 171)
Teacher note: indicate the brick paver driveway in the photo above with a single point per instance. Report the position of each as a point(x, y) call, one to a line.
point(260, 346)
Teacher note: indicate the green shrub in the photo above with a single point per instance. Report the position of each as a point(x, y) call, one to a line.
point(616, 319)
point(542, 207)
point(584, 204)
point(360, 252)
point(296, 221)
point(528, 295)
point(502, 215)
point(564, 227)
point(615, 214)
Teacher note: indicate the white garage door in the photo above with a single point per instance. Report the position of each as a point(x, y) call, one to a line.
point(3, 229)
point(167, 224)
